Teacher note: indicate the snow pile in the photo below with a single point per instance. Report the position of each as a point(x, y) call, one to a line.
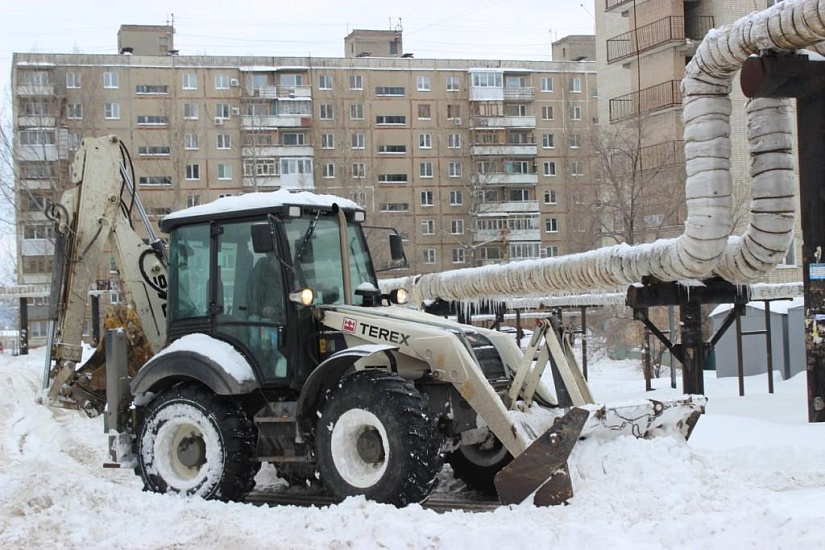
point(751, 476)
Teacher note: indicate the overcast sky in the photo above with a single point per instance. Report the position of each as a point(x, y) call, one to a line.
point(474, 29)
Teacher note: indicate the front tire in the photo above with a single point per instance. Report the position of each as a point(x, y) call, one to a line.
point(376, 438)
point(477, 465)
point(192, 442)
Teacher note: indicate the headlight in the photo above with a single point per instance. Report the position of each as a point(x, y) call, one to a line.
point(305, 296)
point(399, 296)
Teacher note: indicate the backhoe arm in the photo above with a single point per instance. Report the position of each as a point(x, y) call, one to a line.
point(92, 215)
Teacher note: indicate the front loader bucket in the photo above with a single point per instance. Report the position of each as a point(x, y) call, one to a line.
point(541, 470)
point(542, 467)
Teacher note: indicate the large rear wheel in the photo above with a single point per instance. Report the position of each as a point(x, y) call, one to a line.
point(376, 438)
point(195, 443)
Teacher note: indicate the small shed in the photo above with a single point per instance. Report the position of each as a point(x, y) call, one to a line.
point(787, 320)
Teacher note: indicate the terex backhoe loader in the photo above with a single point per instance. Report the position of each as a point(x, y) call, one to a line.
point(270, 341)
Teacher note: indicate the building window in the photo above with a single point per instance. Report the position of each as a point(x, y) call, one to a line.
point(458, 255)
point(393, 120)
point(394, 207)
point(487, 80)
point(453, 84)
point(428, 255)
point(224, 141)
point(356, 111)
point(74, 141)
point(192, 199)
point(296, 166)
point(73, 80)
point(423, 83)
point(151, 120)
point(38, 231)
point(224, 171)
point(424, 111)
point(552, 251)
point(390, 91)
point(191, 142)
point(154, 151)
point(292, 139)
point(190, 111)
point(427, 198)
point(190, 81)
point(327, 141)
point(455, 170)
point(392, 178)
point(329, 170)
point(392, 149)
point(454, 141)
point(550, 168)
point(357, 140)
point(547, 141)
point(111, 111)
point(576, 85)
point(547, 112)
point(359, 170)
point(326, 111)
point(573, 141)
point(150, 89)
point(428, 227)
point(550, 196)
point(155, 180)
point(575, 112)
point(453, 111)
point(325, 82)
point(456, 198)
point(425, 169)
point(551, 225)
point(425, 141)
point(111, 80)
point(457, 227)
point(193, 171)
point(221, 81)
point(260, 168)
point(222, 110)
point(547, 84)
point(74, 111)
point(36, 137)
point(356, 82)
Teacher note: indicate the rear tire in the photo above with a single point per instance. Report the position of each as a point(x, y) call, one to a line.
point(477, 465)
point(192, 442)
point(376, 438)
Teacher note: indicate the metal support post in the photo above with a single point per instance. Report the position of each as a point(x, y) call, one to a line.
point(24, 326)
point(693, 348)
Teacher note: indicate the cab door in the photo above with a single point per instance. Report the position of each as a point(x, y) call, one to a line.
point(251, 304)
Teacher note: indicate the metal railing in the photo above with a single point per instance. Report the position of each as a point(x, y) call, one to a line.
point(667, 153)
point(661, 96)
point(652, 35)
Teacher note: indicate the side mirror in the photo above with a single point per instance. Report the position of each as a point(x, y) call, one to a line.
point(262, 238)
point(396, 248)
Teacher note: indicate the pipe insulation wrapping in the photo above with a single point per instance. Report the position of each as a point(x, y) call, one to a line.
point(707, 246)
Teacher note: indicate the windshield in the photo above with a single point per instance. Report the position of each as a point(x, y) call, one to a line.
point(315, 252)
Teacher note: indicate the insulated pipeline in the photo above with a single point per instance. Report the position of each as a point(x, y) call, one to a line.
point(707, 246)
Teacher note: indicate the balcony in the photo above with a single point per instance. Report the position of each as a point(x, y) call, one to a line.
point(38, 153)
point(661, 96)
point(519, 94)
point(274, 151)
point(38, 121)
point(505, 207)
point(250, 122)
point(503, 178)
point(506, 149)
point(662, 33)
point(504, 122)
point(280, 92)
point(31, 90)
point(660, 155)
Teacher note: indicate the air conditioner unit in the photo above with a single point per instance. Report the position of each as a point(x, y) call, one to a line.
point(234, 82)
point(236, 110)
point(218, 121)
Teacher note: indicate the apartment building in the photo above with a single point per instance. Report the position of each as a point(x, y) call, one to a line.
point(642, 49)
point(472, 161)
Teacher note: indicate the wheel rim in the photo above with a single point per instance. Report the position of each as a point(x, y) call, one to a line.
point(183, 449)
point(487, 453)
point(360, 448)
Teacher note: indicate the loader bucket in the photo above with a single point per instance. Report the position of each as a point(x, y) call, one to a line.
point(541, 470)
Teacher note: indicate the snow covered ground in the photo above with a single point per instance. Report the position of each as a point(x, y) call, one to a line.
point(752, 476)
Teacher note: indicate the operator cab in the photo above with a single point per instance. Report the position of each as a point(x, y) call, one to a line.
point(238, 267)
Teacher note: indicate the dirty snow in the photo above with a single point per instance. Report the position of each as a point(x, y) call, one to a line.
point(752, 476)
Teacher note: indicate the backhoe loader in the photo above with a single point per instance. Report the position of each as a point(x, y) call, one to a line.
point(268, 340)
